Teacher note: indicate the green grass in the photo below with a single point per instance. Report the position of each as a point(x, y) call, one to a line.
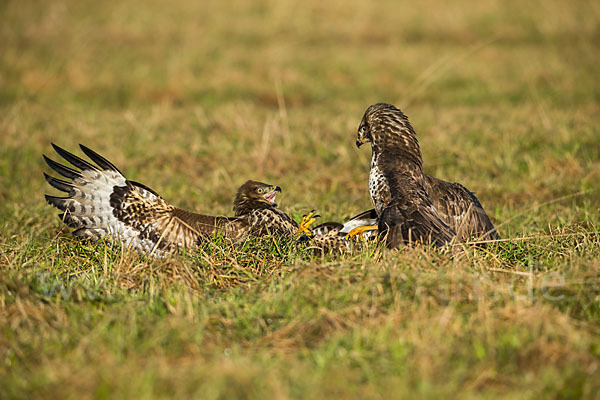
point(194, 98)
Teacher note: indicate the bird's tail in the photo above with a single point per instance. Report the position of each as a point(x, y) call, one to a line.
point(400, 224)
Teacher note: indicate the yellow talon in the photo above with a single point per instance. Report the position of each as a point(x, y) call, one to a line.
point(359, 230)
point(307, 221)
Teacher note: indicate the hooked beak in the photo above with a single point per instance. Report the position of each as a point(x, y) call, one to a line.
point(271, 195)
point(359, 142)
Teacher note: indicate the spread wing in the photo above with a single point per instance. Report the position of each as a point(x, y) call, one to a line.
point(460, 209)
point(101, 202)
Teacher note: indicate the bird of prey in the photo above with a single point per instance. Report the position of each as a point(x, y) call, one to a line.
point(101, 202)
point(412, 206)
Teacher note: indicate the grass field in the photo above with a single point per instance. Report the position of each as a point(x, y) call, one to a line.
point(195, 97)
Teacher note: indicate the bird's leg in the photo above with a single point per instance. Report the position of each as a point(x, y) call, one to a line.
point(307, 221)
point(359, 230)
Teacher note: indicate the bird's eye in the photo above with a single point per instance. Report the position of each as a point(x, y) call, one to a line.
point(260, 190)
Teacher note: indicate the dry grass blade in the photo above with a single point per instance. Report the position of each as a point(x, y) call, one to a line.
point(194, 98)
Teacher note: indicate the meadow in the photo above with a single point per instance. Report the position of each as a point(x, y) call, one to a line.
point(193, 98)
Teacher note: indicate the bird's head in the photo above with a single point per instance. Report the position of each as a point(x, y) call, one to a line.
point(374, 121)
point(364, 133)
point(364, 129)
point(252, 195)
point(387, 128)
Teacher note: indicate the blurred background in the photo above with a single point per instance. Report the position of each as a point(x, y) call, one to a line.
point(194, 97)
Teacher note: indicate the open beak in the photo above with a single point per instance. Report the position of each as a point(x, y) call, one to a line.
point(271, 195)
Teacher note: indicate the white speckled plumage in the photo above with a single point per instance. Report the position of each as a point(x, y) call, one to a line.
point(102, 203)
point(379, 189)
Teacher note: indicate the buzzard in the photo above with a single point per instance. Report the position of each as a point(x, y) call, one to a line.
point(101, 202)
point(410, 205)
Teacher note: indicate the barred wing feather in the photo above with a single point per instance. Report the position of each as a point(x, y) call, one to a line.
point(101, 202)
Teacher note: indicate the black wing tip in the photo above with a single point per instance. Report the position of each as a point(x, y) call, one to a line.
point(98, 159)
point(52, 164)
point(60, 151)
point(73, 159)
point(61, 169)
point(86, 149)
point(56, 147)
point(55, 201)
point(48, 160)
point(59, 184)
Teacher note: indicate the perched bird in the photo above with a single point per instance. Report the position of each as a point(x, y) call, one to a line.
point(101, 202)
point(410, 205)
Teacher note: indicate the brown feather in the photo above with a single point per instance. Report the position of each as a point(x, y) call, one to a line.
point(102, 202)
point(408, 201)
point(460, 209)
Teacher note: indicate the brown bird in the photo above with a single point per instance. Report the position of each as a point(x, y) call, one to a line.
point(101, 202)
point(412, 206)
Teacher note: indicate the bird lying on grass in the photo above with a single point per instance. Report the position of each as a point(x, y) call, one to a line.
point(101, 203)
